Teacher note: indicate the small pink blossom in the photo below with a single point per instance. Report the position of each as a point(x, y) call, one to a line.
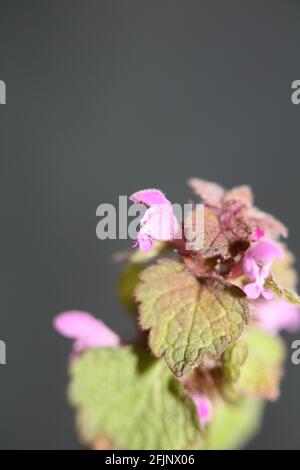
point(256, 263)
point(276, 315)
point(257, 235)
point(204, 407)
point(158, 222)
point(86, 330)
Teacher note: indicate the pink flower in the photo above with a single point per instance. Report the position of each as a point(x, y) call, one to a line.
point(257, 235)
point(276, 315)
point(86, 330)
point(158, 222)
point(204, 407)
point(256, 263)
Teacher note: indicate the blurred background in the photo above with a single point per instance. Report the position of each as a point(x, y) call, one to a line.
point(104, 98)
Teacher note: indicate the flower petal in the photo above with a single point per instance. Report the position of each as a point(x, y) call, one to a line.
point(149, 197)
point(264, 251)
point(257, 262)
point(204, 407)
point(145, 242)
point(159, 222)
point(276, 315)
point(252, 290)
point(88, 331)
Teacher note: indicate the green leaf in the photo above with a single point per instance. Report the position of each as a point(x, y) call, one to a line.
point(262, 369)
point(127, 282)
point(283, 270)
point(233, 425)
point(233, 359)
point(188, 318)
point(128, 400)
point(281, 292)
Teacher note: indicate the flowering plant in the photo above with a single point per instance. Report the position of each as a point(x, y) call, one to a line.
point(208, 351)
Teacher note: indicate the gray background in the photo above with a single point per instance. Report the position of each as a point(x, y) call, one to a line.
point(105, 98)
